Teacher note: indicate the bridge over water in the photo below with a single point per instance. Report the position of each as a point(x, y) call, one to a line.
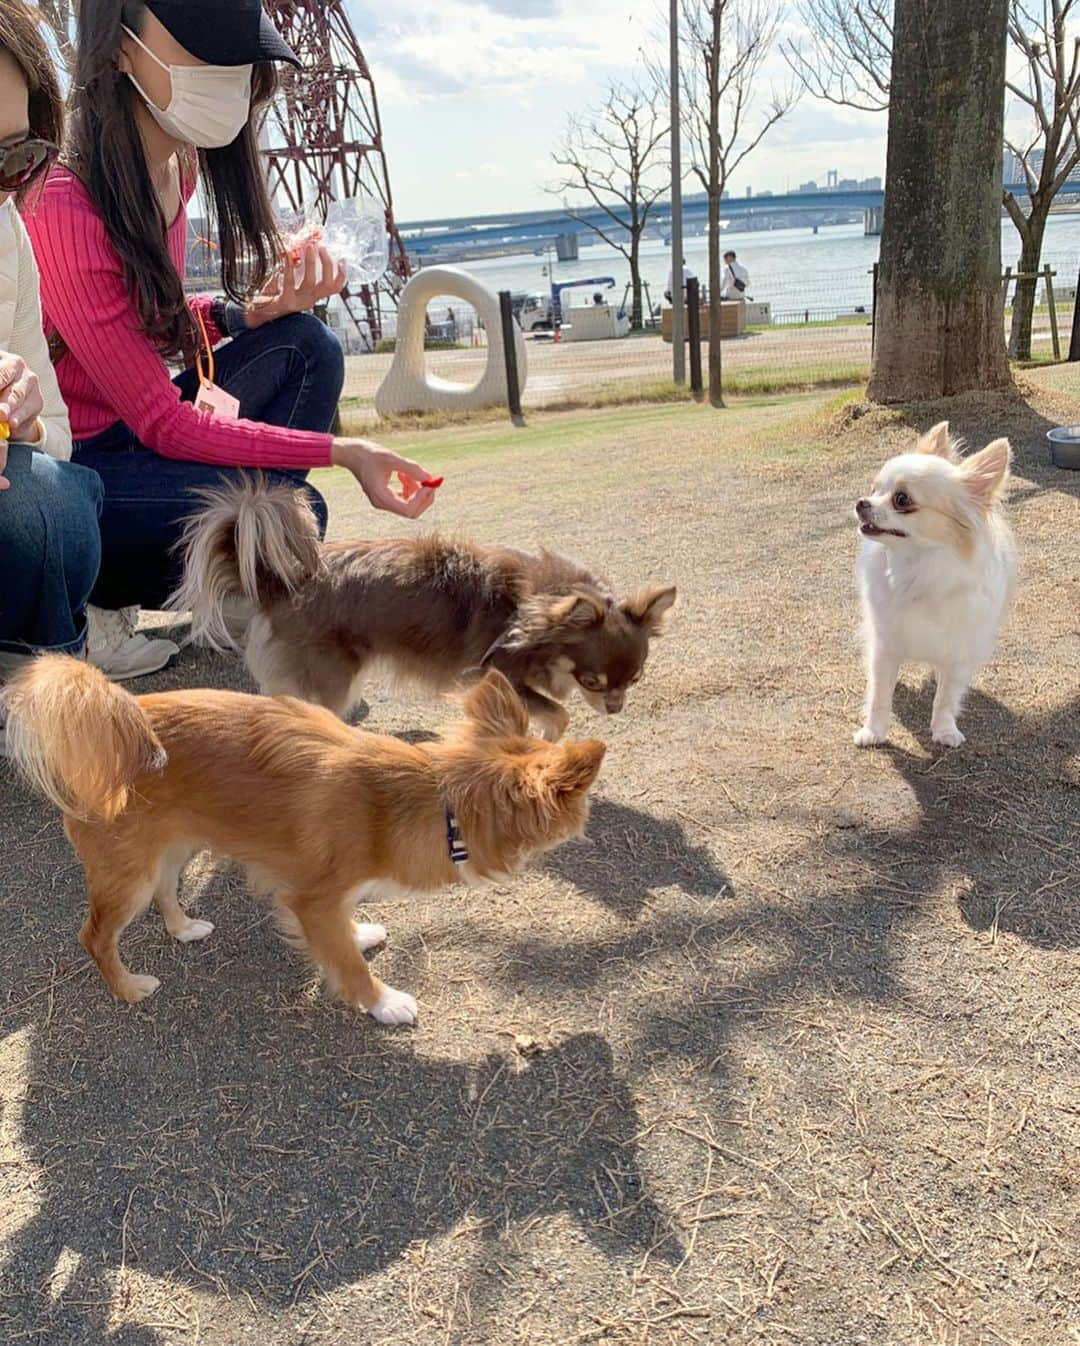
point(529, 231)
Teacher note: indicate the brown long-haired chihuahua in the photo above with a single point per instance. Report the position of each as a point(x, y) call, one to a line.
point(321, 813)
point(429, 609)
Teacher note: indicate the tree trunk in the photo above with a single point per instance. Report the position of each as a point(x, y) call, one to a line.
point(1024, 294)
point(716, 366)
point(716, 191)
point(940, 324)
point(635, 282)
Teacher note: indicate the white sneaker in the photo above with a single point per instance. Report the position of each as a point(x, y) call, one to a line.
point(114, 646)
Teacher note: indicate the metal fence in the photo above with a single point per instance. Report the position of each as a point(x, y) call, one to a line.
point(810, 333)
point(825, 343)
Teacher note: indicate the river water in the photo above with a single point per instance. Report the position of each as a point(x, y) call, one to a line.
point(792, 269)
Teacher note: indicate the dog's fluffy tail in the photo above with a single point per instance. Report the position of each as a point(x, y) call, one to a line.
point(76, 737)
point(251, 540)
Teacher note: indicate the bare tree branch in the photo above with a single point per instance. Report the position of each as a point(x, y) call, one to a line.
point(845, 58)
point(846, 54)
point(726, 114)
point(611, 158)
point(1049, 88)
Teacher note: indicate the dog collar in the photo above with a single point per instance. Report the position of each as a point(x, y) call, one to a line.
point(455, 843)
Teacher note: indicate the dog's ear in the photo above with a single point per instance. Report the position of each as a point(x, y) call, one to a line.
point(986, 472)
point(938, 442)
point(495, 708)
point(550, 617)
point(648, 607)
point(575, 766)
point(575, 612)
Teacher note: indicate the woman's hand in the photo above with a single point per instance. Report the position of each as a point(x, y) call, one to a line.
point(374, 467)
point(302, 283)
point(21, 403)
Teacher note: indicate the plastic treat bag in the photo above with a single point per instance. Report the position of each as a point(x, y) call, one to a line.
point(354, 233)
point(297, 232)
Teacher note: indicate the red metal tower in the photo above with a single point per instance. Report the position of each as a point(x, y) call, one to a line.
point(323, 137)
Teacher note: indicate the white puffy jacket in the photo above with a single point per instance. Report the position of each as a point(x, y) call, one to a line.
point(20, 327)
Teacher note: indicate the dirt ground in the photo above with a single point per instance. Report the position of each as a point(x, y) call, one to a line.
point(786, 1051)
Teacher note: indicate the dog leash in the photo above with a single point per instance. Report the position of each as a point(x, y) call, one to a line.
point(455, 843)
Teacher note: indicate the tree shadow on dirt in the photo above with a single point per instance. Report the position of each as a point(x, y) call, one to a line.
point(229, 1135)
point(980, 419)
point(1003, 815)
point(628, 854)
point(996, 828)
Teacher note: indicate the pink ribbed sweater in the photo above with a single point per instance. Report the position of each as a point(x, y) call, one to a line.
point(112, 372)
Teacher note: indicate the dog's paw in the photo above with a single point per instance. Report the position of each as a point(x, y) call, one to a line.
point(133, 989)
point(190, 931)
point(867, 737)
point(394, 1007)
point(369, 936)
point(949, 738)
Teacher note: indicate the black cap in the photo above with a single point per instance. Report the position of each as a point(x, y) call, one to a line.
point(224, 32)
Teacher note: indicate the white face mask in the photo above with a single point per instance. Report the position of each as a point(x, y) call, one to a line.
point(210, 104)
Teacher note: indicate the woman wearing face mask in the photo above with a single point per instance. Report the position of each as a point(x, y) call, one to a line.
point(49, 547)
point(163, 90)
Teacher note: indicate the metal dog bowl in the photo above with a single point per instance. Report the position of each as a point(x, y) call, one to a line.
point(1065, 446)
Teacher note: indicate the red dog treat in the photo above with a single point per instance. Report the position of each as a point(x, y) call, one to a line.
point(410, 485)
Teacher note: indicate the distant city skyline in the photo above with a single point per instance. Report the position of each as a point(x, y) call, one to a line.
point(1013, 168)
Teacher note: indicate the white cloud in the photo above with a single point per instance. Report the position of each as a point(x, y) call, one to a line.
point(475, 95)
point(481, 171)
point(426, 49)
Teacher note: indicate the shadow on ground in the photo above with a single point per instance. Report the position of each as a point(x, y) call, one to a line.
point(300, 1148)
point(1020, 422)
point(230, 1134)
point(628, 854)
point(236, 1134)
point(995, 834)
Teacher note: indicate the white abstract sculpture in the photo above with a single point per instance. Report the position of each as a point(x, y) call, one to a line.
point(408, 385)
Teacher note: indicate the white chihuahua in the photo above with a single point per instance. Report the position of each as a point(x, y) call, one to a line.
point(936, 567)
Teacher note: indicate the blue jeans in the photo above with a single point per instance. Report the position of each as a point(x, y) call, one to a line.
point(50, 550)
point(288, 373)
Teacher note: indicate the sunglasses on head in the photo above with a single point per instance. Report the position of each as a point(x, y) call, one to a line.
point(22, 162)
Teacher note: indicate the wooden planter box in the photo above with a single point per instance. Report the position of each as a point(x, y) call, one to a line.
point(732, 320)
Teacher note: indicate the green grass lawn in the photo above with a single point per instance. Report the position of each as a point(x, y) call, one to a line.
point(782, 426)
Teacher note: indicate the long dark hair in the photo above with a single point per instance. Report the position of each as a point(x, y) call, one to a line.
point(106, 151)
point(22, 39)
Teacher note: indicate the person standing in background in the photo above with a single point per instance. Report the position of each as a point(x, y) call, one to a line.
point(687, 274)
point(735, 278)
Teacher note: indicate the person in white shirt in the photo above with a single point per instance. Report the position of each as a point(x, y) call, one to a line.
point(734, 279)
point(687, 274)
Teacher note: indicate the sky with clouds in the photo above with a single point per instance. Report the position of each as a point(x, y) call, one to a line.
point(474, 95)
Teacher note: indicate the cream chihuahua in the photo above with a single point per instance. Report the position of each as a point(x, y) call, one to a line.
point(936, 568)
